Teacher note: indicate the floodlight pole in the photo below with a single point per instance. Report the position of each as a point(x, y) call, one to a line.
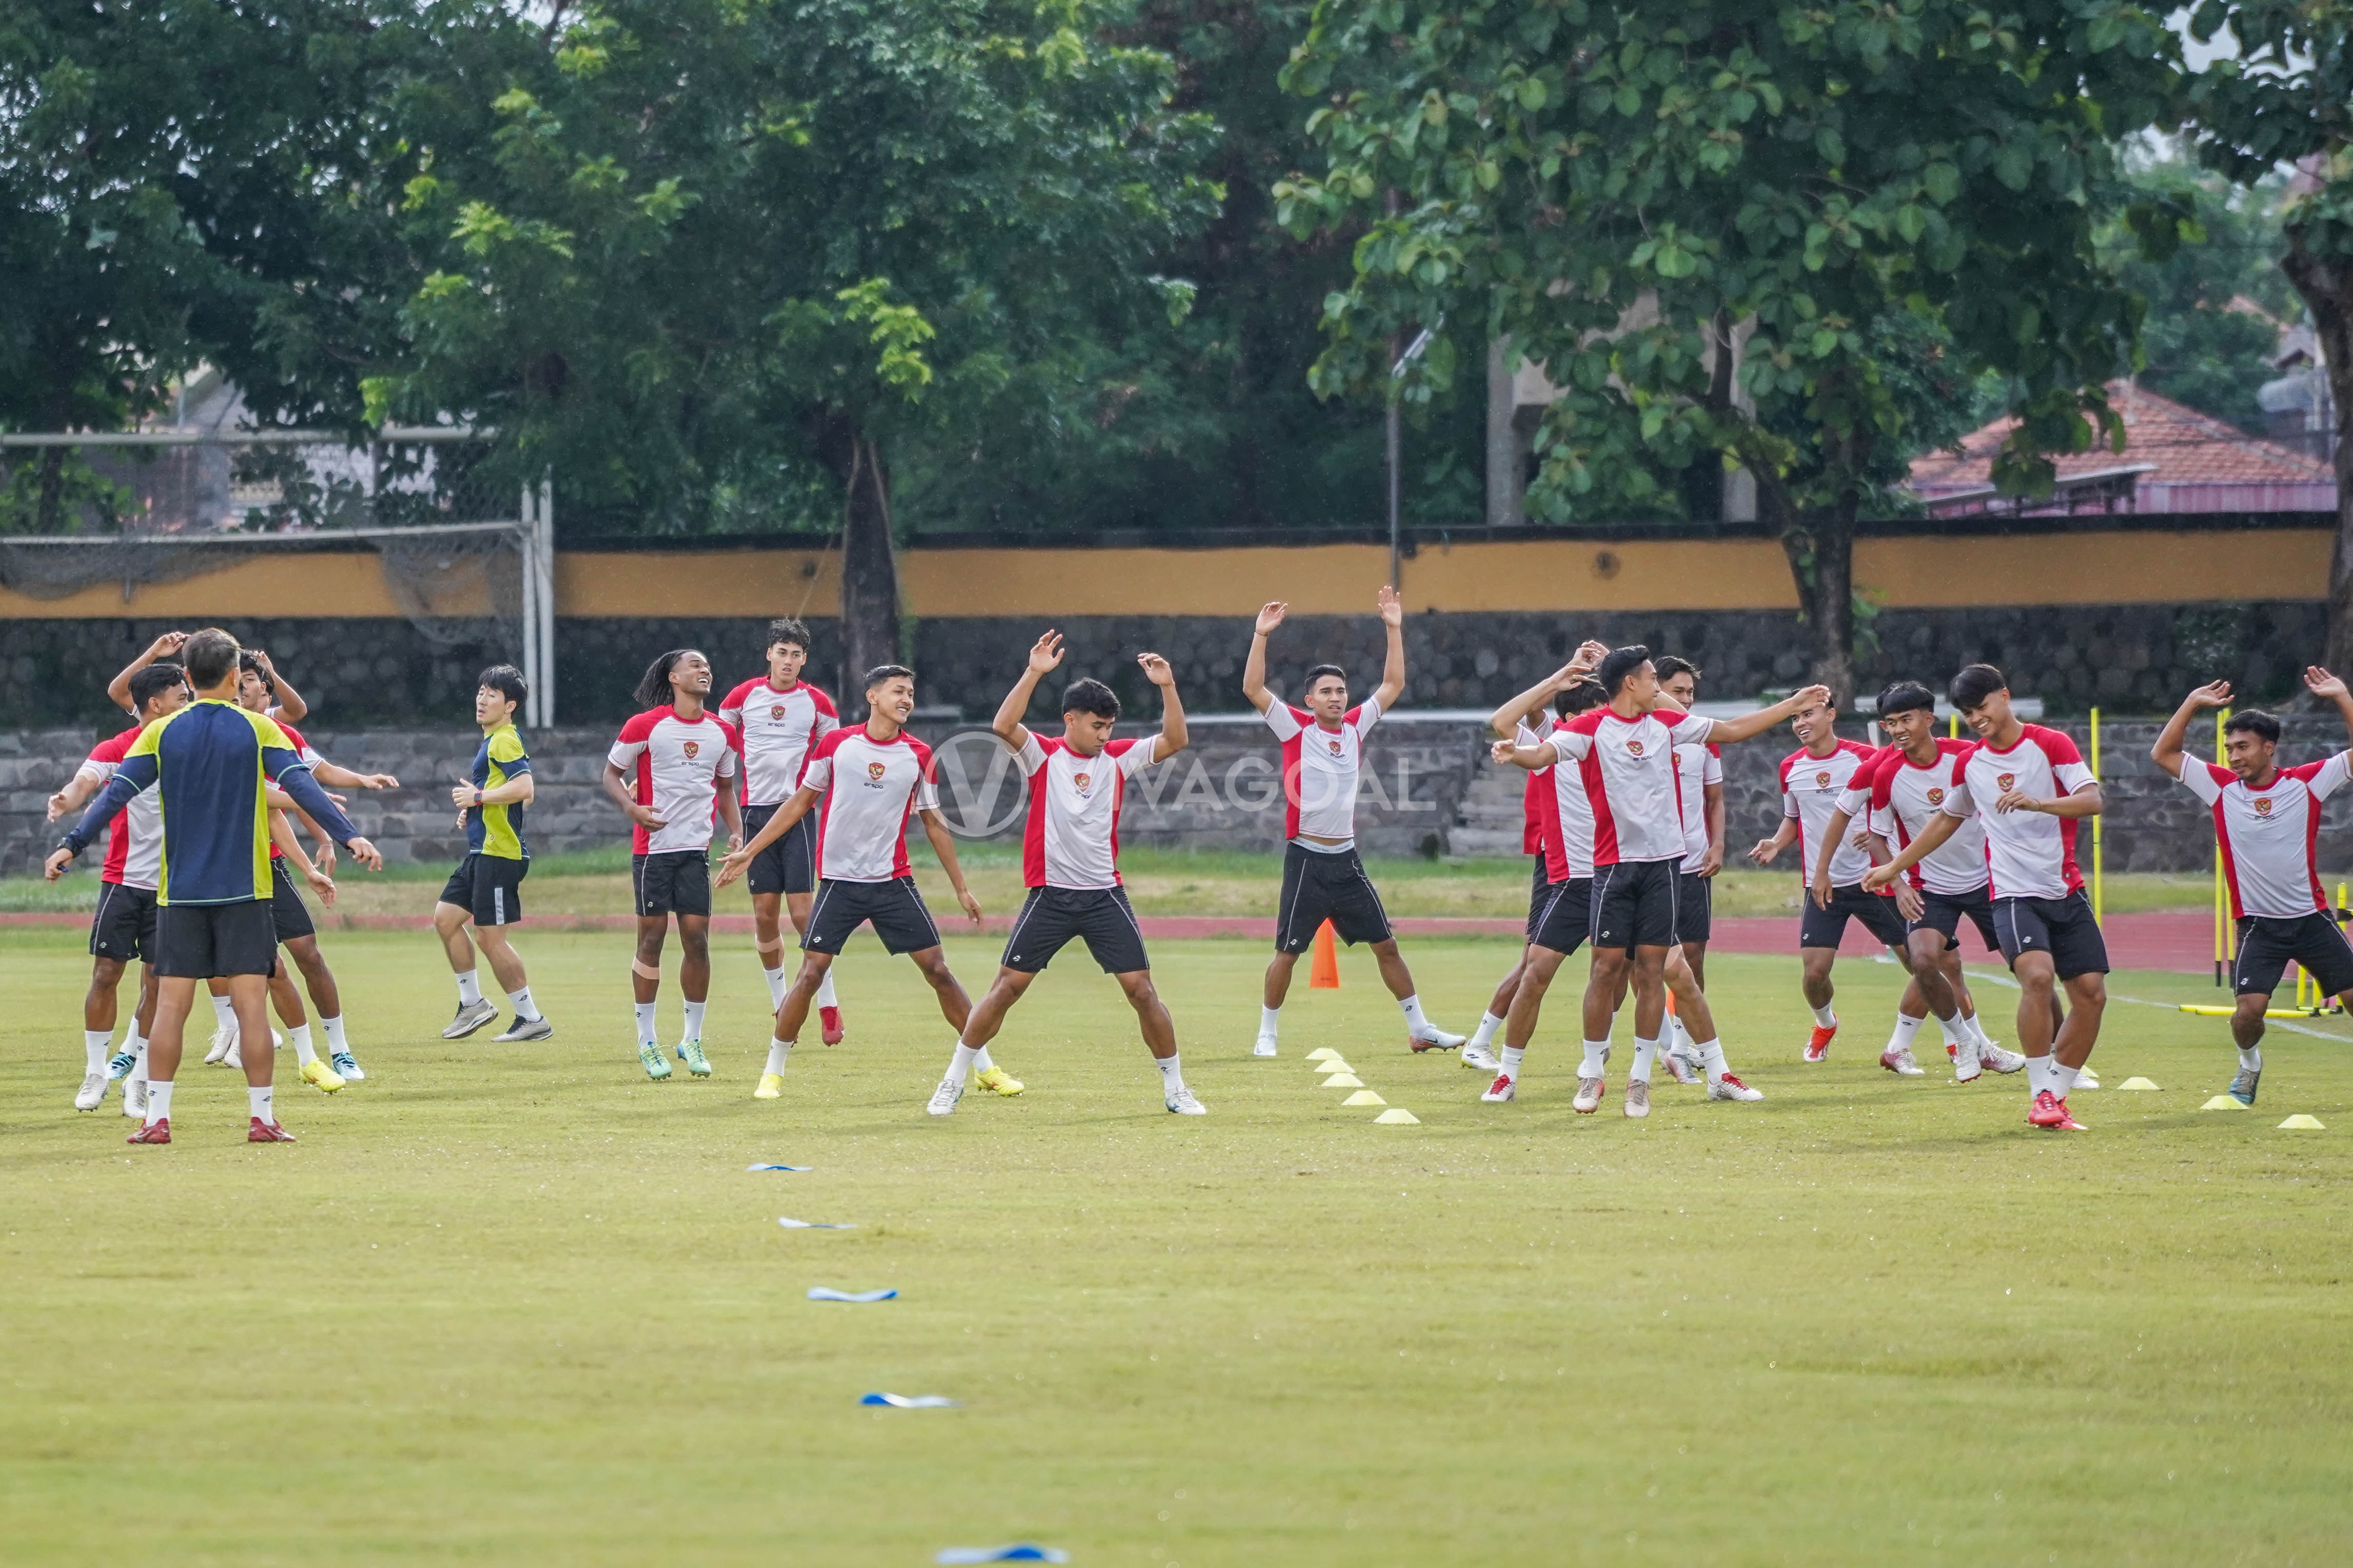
point(545, 561)
point(533, 701)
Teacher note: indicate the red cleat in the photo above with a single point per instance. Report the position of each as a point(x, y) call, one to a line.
point(153, 1132)
point(1818, 1048)
point(2051, 1111)
point(828, 1023)
point(260, 1131)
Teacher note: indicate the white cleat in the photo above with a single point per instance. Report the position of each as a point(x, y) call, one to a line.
point(1996, 1059)
point(1730, 1087)
point(2085, 1077)
point(1504, 1087)
point(135, 1098)
point(92, 1093)
point(1638, 1097)
point(1182, 1104)
point(1264, 1045)
point(1588, 1095)
point(1968, 1066)
point(944, 1097)
point(1899, 1062)
point(224, 1039)
point(235, 1058)
point(1682, 1067)
point(1480, 1059)
point(1434, 1039)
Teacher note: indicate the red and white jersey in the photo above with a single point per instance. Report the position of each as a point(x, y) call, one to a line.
point(1627, 767)
point(1900, 798)
point(678, 765)
point(1319, 768)
point(2029, 854)
point(1811, 789)
point(1565, 827)
point(1697, 765)
point(135, 843)
point(778, 729)
point(1532, 799)
point(871, 787)
point(2267, 835)
point(1072, 836)
point(302, 749)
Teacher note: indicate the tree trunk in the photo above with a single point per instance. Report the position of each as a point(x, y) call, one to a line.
point(1819, 545)
point(48, 511)
point(869, 569)
point(2327, 285)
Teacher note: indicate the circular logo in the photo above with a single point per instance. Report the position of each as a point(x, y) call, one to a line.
point(1935, 797)
point(982, 794)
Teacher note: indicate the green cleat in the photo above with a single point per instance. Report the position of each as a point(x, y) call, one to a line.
point(691, 1053)
point(651, 1057)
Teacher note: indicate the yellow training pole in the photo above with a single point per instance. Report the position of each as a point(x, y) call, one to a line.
point(1953, 724)
point(2222, 902)
point(2098, 906)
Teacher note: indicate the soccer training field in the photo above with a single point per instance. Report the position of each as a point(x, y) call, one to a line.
point(508, 1304)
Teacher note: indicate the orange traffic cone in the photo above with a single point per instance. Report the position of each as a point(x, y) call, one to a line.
point(1324, 969)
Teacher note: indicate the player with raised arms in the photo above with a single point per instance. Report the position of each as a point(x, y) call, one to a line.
point(486, 890)
point(1070, 861)
point(2267, 822)
point(1323, 875)
point(870, 779)
point(680, 753)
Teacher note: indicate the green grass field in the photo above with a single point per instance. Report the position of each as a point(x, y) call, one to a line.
point(508, 1304)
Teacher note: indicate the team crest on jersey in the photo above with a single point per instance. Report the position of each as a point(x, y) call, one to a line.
point(691, 748)
point(777, 712)
point(1084, 781)
point(2006, 780)
point(1821, 781)
point(2263, 805)
point(1634, 748)
point(1335, 747)
point(874, 773)
point(1935, 797)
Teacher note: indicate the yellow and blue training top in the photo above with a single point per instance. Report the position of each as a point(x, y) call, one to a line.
point(497, 830)
point(210, 764)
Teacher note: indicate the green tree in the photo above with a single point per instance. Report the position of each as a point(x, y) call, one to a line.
point(1624, 191)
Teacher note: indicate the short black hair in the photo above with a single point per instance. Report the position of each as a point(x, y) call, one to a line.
point(1580, 698)
point(2263, 726)
point(1088, 695)
point(1905, 697)
point(1316, 672)
point(1670, 664)
point(1975, 683)
point(158, 678)
point(249, 662)
point(507, 681)
point(882, 672)
point(653, 686)
point(785, 628)
point(208, 657)
point(1619, 664)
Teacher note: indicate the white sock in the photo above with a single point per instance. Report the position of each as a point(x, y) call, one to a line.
point(137, 1046)
point(94, 1048)
point(334, 1030)
point(824, 997)
point(1711, 1056)
point(1825, 1017)
point(1513, 1055)
point(1905, 1028)
point(299, 1036)
point(1956, 1034)
point(1975, 1024)
point(2038, 1074)
point(646, 1024)
point(1267, 1017)
point(693, 1021)
point(1677, 1037)
point(2062, 1078)
point(1172, 1077)
point(1481, 1036)
point(134, 1044)
point(1597, 1059)
point(1414, 1022)
point(469, 986)
point(778, 985)
point(2251, 1059)
point(981, 1060)
point(1645, 1052)
point(525, 1008)
point(159, 1103)
point(225, 1013)
point(779, 1052)
point(960, 1064)
point(257, 1101)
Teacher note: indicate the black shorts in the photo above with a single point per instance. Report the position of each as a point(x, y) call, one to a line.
point(1944, 911)
point(287, 910)
point(124, 926)
point(1319, 887)
point(2063, 928)
point(1820, 926)
point(2267, 946)
point(1694, 901)
point(673, 882)
point(206, 942)
point(1539, 892)
point(1566, 919)
point(1052, 916)
point(893, 908)
point(488, 887)
point(1634, 903)
point(787, 865)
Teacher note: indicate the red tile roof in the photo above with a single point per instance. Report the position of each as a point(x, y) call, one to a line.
point(2186, 446)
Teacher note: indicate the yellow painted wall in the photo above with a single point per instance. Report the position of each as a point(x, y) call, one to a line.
point(2110, 568)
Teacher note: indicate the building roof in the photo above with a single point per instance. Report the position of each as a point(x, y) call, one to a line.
point(2181, 445)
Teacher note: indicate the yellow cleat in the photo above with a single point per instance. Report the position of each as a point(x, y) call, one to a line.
point(997, 1080)
point(321, 1076)
point(771, 1086)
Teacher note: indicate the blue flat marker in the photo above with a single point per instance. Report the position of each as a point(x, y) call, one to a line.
point(912, 1401)
point(1022, 1552)
point(827, 1293)
point(780, 1167)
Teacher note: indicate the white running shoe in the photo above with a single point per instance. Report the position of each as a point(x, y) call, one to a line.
point(1899, 1062)
point(1589, 1091)
point(1502, 1090)
point(1182, 1104)
point(1481, 1060)
point(944, 1097)
point(1999, 1060)
point(92, 1093)
point(1730, 1087)
point(1638, 1097)
point(1434, 1038)
point(1264, 1045)
point(135, 1098)
point(224, 1038)
point(1681, 1066)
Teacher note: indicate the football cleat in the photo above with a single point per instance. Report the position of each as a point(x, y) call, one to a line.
point(537, 1028)
point(256, 1130)
point(1730, 1087)
point(1263, 1046)
point(2243, 1087)
point(1589, 1091)
point(1182, 1104)
point(153, 1132)
point(135, 1098)
point(828, 1024)
point(1818, 1046)
point(347, 1066)
point(1899, 1062)
point(1999, 1060)
point(1481, 1060)
point(944, 1097)
point(1967, 1065)
point(997, 1080)
point(92, 1092)
point(319, 1076)
point(2051, 1111)
point(223, 1036)
point(118, 1067)
point(649, 1056)
point(1638, 1097)
point(1433, 1039)
point(691, 1053)
point(1682, 1066)
point(1504, 1087)
point(472, 1016)
point(771, 1086)
point(2085, 1077)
